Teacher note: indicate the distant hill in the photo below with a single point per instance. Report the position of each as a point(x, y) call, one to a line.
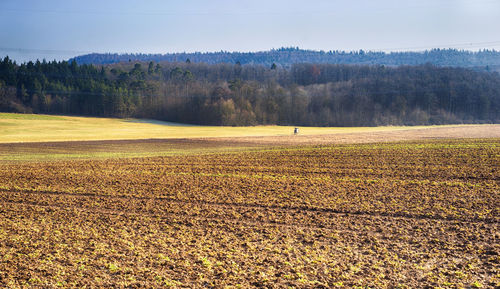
point(481, 60)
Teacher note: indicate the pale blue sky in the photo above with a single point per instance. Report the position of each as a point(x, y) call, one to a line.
point(59, 29)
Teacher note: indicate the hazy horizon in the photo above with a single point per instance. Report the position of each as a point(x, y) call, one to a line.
point(60, 30)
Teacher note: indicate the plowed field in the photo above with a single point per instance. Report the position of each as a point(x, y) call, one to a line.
point(400, 215)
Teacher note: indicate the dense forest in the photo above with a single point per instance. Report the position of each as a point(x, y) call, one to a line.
point(235, 94)
point(286, 57)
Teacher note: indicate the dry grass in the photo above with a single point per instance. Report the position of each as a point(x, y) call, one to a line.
point(99, 149)
point(45, 128)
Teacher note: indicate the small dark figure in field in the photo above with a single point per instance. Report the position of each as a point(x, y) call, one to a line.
point(296, 131)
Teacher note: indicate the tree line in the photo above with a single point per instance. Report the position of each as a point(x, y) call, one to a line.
point(286, 57)
point(235, 94)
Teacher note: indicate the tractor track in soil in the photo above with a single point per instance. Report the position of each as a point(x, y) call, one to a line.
point(175, 216)
point(236, 206)
point(421, 214)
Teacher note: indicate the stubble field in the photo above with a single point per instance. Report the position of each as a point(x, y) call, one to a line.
point(383, 215)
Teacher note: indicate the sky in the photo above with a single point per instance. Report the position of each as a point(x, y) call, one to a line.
point(61, 29)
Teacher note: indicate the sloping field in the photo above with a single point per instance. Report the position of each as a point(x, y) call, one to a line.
point(406, 215)
point(43, 137)
point(48, 128)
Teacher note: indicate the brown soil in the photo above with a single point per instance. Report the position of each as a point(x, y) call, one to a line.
point(418, 215)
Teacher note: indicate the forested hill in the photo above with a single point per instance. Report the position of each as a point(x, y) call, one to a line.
point(288, 56)
point(234, 94)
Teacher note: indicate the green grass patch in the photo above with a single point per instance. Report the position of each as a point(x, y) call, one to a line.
point(29, 116)
point(81, 155)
